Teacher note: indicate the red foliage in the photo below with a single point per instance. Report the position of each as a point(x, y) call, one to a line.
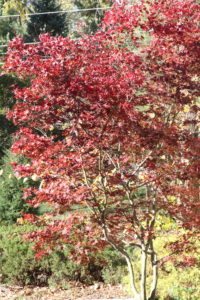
point(106, 117)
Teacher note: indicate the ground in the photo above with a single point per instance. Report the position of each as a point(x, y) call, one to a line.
point(74, 292)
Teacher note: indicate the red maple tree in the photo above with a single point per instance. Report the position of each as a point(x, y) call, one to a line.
point(110, 125)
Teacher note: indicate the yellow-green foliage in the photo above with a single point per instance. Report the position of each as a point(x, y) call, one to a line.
point(175, 282)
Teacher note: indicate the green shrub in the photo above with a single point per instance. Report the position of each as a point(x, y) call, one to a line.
point(11, 196)
point(114, 269)
point(18, 265)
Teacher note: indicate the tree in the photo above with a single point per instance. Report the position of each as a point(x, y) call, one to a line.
point(6, 131)
point(12, 204)
point(109, 123)
point(38, 24)
point(7, 100)
point(93, 18)
point(88, 19)
point(9, 27)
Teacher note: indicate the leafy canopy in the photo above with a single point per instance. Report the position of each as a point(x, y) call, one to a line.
point(110, 123)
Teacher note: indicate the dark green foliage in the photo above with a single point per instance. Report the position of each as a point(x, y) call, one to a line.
point(7, 101)
point(6, 130)
point(11, 195)
point(6, 31)
point(115, 267)
point(18, 265)
point(7, 82)
point(9, 28)
point(55, 24)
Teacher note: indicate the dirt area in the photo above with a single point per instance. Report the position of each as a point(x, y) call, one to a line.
point(78, 292)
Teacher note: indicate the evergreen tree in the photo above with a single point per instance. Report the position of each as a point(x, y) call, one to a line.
point(55, 24)
point(92, 18)
point(6, 130)
point(11, 196)
point(7, 100)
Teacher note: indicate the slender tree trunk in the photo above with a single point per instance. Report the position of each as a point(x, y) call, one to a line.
point(143, 273)
point(136, 295)
point(154, 264)
point(132, 278)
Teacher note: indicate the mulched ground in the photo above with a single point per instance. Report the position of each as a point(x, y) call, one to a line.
point(80, 292)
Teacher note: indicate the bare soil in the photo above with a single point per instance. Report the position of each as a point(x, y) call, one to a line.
point(74, 292)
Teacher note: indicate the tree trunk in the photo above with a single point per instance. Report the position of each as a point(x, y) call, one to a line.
point(154, 264)
point(143, 273)
point(132, 279)
point(123, 252)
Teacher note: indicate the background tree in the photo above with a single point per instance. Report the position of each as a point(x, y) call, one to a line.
point(9, 27)
point(91, 19)
point(54, 24)
point(1, 6)
point(7, 101)
point(114, 140)
point(12, 203)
